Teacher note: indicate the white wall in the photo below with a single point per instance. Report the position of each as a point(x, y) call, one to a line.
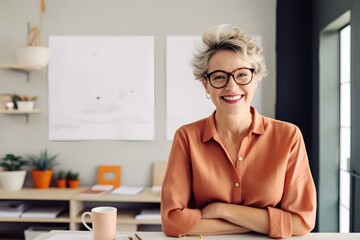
point(159, 18)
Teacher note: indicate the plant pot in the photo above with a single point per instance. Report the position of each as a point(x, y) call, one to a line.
point(41, 178)
point(61, 183)
point(25, 105)
point(33, 56)
point(12, 180)
point(74, 183)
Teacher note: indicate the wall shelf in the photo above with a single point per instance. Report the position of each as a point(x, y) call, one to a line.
point(26, 69)
point(15, 111)
point(19, 112)
point(21, 68)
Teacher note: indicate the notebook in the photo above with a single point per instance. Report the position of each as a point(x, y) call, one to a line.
point(43, 212)
point(127, 190)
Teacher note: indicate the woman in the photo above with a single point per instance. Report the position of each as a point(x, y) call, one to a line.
point(236, 171)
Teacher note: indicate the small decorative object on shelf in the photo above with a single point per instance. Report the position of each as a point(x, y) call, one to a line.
point(73, 179)
point(34, 54)
point(24, 103)
point(16, 104)
point(105, 171)
point(6, 102)
point(12, 177)
point(43, 168)
point(61, 179)
point(10, 105)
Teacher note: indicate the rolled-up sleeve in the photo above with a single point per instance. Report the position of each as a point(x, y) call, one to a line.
point(299, 196)
point(176, 215)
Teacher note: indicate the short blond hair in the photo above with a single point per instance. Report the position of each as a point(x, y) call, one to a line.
point(228, 37)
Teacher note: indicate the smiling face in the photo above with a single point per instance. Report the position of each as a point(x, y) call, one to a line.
point(233, 98)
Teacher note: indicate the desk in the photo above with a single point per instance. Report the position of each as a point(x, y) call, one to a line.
point(86, 235)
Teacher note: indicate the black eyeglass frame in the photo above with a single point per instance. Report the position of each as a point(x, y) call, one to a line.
point(252, 70)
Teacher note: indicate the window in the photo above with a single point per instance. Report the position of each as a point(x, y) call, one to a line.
point(345, 129)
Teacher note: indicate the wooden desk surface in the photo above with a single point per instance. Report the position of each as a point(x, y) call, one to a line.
point(84, 235)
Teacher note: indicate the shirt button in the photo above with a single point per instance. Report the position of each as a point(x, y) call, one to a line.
point(241, 158)
point(237, 184)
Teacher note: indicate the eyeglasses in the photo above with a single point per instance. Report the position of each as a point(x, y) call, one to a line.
point(219, 78)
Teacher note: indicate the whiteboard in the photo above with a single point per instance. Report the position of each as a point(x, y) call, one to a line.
point(101, 88)
point(185, 96)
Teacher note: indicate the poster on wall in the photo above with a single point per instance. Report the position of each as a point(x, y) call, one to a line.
point(185, 97)
point(101, 88)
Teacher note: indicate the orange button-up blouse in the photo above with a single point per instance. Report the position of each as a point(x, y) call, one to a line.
point(272, 172)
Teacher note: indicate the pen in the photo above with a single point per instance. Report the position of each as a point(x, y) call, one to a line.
point(138, 237)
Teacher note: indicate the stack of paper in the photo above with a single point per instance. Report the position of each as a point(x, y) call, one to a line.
point(43, 212)
point(149, 214)
point(97, 190)
point(156, 190)
point(127, 190)
point(12, 209)
point(104, 187)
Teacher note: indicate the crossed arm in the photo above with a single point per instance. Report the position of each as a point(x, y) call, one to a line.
point(224, 218)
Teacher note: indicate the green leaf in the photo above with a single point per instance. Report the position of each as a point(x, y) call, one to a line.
point(43, 161)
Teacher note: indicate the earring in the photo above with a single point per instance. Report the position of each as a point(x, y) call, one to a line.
point(208, 95)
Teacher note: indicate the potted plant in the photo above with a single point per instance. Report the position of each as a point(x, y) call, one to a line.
point(43, 168)
point(24, 103)
point(73, 179)
point(34, 54)
point(61, 179)
point(12, 177)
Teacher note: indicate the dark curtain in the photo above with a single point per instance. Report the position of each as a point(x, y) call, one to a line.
point(294, 71)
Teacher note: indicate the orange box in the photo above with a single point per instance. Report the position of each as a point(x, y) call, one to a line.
point(105, 171)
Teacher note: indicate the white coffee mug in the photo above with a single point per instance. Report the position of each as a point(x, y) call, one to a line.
point(103, 222)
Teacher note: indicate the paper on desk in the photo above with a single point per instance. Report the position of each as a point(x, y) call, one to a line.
point(127, 190)
point(156, 189)
point(71, 236)
point(43, 212)
point(84, 236)
point(149, 214)
point(103, 187)
point(12, 208)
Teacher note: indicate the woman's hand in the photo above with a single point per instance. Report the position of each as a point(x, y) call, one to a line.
point(254, 219)
point(212, 221)
point(213, 210)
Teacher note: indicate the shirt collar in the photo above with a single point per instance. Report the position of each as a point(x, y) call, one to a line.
point(257, 126)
